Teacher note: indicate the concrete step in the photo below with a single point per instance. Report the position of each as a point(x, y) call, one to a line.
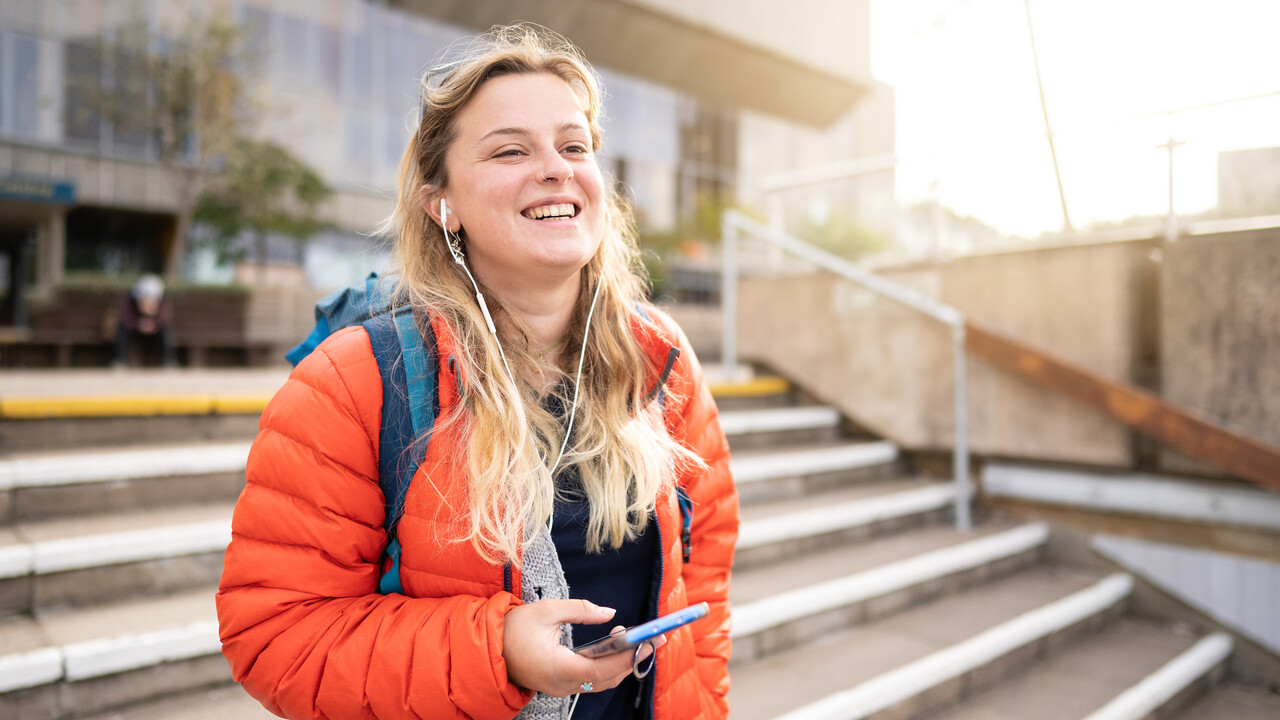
point(1236, 701)
point(1211, 502)
point(218, 703)
point(1090, 678)
point(1176, 683)
point(39, 485)
point(923, 658)
point(762, 475)
point(87, 559)
point(36, 486)
point(813, 568)
point(75, 663)
point(802, 525)
point(84, 561)
point(100, 559)
point(826, 602)
point(767, 427)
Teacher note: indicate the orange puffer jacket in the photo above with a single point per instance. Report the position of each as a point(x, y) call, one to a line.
point(301, 621)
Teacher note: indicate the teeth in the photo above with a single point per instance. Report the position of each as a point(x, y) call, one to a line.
point(545, 211)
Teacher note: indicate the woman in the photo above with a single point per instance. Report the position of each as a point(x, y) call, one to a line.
point(545, 511)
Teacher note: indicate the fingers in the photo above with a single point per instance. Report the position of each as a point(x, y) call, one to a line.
point(536, 661)
point(577, 611)
point(603, 672)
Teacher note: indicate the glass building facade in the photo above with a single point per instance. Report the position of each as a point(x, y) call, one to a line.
point(338, 86)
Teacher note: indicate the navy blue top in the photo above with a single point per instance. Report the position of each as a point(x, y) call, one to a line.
point(622, 579)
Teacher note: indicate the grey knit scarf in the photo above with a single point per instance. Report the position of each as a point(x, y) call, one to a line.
point(542, 577)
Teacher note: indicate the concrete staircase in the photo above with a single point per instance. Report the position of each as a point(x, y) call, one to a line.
point(854, 595)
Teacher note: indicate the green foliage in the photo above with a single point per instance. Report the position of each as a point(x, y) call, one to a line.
point(702, 228)
point(265, 190)
point(181, 89)
point(844, 236)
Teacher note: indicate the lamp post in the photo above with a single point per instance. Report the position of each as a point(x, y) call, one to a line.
point(1171, 224)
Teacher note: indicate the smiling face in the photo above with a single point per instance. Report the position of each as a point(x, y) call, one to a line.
point(524, 184)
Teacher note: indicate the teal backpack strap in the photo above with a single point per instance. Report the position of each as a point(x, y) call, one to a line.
point(407, 362)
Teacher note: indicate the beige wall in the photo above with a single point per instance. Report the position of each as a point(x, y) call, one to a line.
point(834, 35)
point(891, 370)
point(1220, 332)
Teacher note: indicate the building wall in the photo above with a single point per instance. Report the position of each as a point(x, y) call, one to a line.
point(839, 44)
point(339, 87)
point(1249, 182)
point(1238, 591)
point(768, 146)
point(891, 369)
point(1220, 332)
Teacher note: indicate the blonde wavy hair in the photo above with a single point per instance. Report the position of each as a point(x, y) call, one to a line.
point(620, 448)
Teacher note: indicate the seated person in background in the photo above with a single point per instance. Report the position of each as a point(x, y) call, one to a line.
point(145, 311)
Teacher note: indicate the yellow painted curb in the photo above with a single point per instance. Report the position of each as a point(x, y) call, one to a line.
point(751, 388)
point(116, 406)
point(240, 404)
point(207, 404)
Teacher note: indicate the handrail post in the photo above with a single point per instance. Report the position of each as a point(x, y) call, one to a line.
point(729, 296)
point(960, 458)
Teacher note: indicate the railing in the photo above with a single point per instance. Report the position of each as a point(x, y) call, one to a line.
point(1176, 427)
point(735, 222)
point(1179, 428)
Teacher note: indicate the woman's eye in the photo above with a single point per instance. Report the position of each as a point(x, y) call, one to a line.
point(509, 153)
point(577, 149)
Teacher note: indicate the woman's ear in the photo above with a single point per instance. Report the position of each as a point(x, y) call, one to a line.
point(431, 199)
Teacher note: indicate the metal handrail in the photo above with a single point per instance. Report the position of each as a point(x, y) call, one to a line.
point(734, 221)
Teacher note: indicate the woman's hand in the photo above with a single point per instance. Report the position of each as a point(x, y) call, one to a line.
point(537, 661)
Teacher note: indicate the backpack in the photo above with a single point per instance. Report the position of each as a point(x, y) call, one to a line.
point(408, 363)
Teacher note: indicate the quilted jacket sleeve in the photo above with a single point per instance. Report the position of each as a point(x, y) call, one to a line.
point(714, 531)
point(300, 619)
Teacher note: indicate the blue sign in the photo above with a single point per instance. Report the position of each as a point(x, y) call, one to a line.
point(35, 190)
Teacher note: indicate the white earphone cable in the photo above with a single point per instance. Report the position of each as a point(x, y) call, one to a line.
point(454, 244)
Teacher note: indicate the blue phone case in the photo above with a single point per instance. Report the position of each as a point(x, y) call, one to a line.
point(637, 635)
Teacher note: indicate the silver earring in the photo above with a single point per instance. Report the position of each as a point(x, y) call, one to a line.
point(455, 244)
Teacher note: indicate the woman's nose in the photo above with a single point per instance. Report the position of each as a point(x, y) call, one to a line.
point(555, 168)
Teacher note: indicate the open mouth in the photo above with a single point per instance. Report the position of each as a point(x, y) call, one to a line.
point(557, 211)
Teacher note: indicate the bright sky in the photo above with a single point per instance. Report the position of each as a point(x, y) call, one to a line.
point(968, 113)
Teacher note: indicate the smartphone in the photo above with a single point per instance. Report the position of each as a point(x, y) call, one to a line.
point(634, 636)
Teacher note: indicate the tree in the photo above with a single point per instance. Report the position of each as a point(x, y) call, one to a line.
point(183, 93)
point(844, 236)
point(264, 190)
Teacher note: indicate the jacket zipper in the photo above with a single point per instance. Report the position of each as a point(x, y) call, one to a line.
point(651, 680)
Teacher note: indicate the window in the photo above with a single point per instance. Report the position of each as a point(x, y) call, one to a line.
point(359, 147)
point(329, 64)
point(258, 32)
point(129, 83)
point(394, 141)
point(83, 121)
point(291, 53)
point(359, 86)
point(19, 85)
